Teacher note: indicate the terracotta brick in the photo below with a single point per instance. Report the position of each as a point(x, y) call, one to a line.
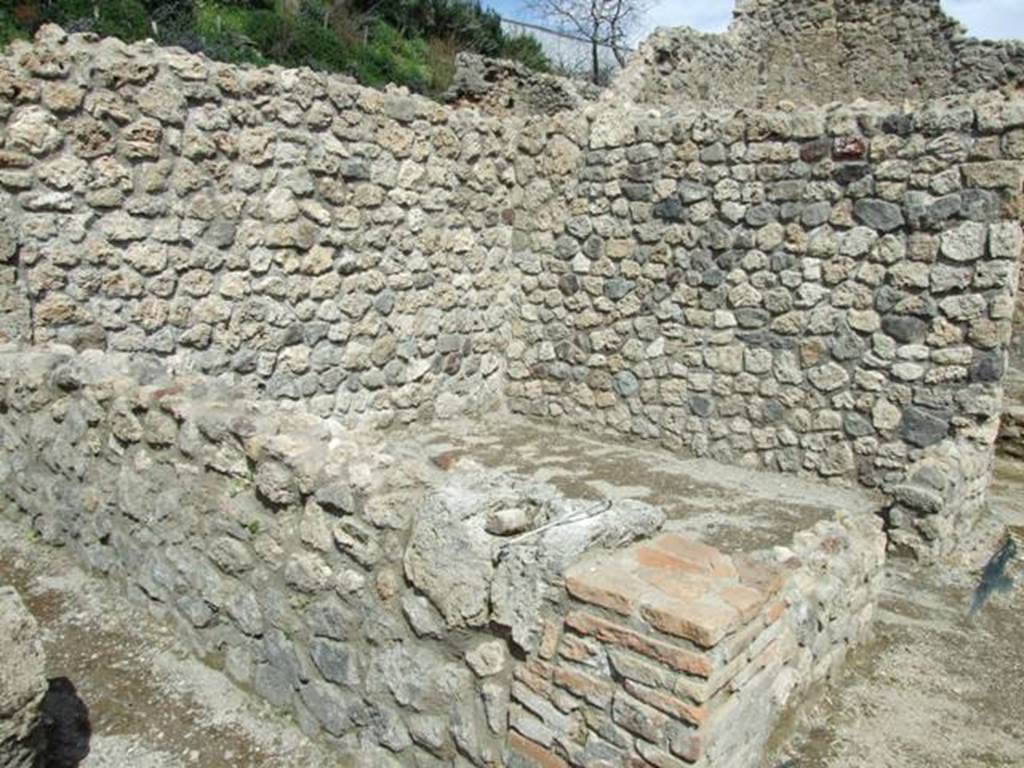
point(703, 622)
point(542, 757)
point(721, 678)
point(535, 675)
point(687, 744)
point(651, 557)
point(670, 705)
point(688, 555)
point(765, 577)
point(657, 757)
point(739, 641)
point(774, 611)
point(549, 640)
point(747, 601)
point(600, 722)
point(582, 649)
point(638, 718)
point(597, 692)
point(678, 658)
point(564, 701)
point(628, 666)
point(694, 689)
point(682, 586)
point(608, 584)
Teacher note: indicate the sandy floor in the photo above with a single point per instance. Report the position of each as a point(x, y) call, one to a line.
point(731, 508)
point(127, 694)
point(933, 690)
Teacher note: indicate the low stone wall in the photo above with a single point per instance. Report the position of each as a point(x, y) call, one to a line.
point(319, 572)
point(1011, 436)
point(1011, 431)
point(815, 51)
point(22, 683)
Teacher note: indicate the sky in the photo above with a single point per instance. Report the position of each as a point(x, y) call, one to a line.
point(994, 19)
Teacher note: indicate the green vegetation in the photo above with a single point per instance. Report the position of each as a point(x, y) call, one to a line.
point(409, 42)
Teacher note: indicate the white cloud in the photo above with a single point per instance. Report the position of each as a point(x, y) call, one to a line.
point(984, 18)
point(708, 16)
point(995, 19)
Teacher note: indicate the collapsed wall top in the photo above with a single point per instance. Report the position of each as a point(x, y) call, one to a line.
point(819, 51)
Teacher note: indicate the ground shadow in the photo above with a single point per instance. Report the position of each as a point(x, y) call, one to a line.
point(65, 725)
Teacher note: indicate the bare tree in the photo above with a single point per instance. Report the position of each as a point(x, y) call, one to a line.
point(600, 22)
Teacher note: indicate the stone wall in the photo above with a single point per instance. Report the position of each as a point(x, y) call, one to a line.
point(302, 235)
point(1017, 342)
point(274, 542)
point(315, 565)
point(824, 291)
point(1011, 434)
point(817, 51)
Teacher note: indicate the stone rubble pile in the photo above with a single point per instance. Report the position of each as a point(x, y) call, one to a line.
point(22, 683)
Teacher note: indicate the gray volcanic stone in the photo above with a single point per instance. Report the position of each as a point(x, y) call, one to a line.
point(457, 586)
point(879, 215)
point(907, 330)
point(857, 425)
point(759, 215)
point(626, 383)
point(988, 367)
point(330, 617)
point(422, 616)
point(337, 662)
point(617, 288)
point(965, 243)
point(828, 377)
point(670, 210)
point(919, 498)
point(276, 482)
point(923, 428)
point(331, 706)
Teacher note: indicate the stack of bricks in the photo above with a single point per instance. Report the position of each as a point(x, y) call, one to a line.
point(666, 648)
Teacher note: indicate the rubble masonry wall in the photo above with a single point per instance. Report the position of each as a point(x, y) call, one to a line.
point(22, 683)
point(826, 291)
point(307, 237)
point(819, 51)
point(823, 290)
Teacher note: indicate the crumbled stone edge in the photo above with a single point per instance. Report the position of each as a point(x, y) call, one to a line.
point(23, 683)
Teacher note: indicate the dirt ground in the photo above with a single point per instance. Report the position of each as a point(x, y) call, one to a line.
point(124, 693)
point(932, 691)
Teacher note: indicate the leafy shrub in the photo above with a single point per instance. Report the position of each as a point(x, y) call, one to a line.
point(409, 42)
